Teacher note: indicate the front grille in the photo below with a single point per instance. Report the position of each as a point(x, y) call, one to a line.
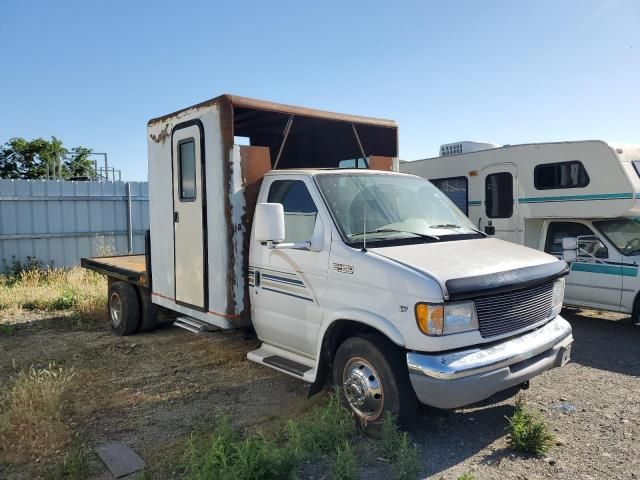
point(507, 312)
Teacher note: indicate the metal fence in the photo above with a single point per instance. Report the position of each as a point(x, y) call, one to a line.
point(57, 222)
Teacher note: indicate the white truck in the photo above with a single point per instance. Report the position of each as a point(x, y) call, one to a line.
point(366, 276)
point(540, 194)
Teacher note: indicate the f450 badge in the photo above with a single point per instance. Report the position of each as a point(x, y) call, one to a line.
point(343, 268)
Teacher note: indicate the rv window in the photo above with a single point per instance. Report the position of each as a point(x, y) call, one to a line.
point(456, 188)
point(187, 163)
point(498, 195)
point(299, 210)
point(636, 165)
point(352, 163)
point(559, 230)
point(560, 175)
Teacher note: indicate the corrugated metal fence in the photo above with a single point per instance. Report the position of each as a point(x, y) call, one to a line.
point(58, 222)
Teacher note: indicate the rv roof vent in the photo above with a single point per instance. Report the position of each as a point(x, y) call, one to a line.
point(459, 148)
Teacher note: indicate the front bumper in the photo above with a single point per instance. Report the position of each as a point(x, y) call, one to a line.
point(462, 377)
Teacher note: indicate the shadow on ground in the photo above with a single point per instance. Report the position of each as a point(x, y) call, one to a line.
point(604, 344)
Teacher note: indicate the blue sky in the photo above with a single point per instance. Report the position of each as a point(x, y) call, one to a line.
point(92, 73)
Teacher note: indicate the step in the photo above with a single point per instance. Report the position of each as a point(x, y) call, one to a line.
point(284, 361)
point(193, 325)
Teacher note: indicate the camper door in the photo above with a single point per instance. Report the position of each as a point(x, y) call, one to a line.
point(188, 214)
point(499, 200)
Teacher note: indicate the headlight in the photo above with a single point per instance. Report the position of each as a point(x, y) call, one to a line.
point(443, 319)
point(558, 296)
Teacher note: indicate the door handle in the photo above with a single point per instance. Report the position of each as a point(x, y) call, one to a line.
point(176, 217)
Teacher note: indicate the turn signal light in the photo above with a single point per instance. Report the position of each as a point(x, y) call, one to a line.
point(430, 318)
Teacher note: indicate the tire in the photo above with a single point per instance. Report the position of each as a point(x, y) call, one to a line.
point(123, 308)
point(635, 313)
point(149, 311)
point(373, 379)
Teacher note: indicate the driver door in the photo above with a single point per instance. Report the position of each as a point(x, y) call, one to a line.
point(289, 285)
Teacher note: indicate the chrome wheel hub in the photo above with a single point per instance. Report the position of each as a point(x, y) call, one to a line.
point(363, 389)
point(115, 309)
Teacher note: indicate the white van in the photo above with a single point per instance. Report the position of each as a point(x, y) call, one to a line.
point(356, 275)
point(538, 194)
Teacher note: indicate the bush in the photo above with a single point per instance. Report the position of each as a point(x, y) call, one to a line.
point(346, 465)
point(528, 433)
point(467, 476)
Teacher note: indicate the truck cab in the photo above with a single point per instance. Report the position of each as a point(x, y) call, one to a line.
point(363, 276)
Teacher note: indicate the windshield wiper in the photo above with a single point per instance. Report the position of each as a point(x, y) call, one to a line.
point(453, 226)
point(395, 230)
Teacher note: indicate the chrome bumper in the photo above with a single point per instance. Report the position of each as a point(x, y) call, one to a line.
point(462, 377)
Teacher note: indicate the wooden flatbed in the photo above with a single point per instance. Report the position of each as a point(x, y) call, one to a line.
point(130, 268)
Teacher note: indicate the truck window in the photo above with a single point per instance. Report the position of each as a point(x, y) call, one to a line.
point(498, 194)
point(299, 209)
point(456, 188)
point(187, 163)
point(559, 230)
point(560, 175)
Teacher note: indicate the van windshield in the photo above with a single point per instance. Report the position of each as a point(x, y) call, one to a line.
point(384, 207)
point(624, 233)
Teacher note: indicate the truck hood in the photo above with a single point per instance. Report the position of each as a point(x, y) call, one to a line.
point(455, 261)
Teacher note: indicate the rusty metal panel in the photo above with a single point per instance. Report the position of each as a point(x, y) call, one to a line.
point(381, 163)
point(237, 101)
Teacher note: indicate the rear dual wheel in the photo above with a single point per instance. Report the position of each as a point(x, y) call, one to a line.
point(130, 309)
point(373, 379)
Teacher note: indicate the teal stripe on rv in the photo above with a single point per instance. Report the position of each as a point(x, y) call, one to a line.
point(605, 269)
point(579, 198)
point(474, 202)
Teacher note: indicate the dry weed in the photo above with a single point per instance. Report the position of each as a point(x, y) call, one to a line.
point(73, 289)
point(31, 423)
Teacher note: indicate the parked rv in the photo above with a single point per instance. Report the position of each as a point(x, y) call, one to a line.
point(367, 276)
point(541, 194)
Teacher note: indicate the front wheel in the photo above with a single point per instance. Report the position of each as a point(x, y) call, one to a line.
point(374, 380)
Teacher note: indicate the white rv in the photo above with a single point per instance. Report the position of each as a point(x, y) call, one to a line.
point(538, 194)
point(352, 274)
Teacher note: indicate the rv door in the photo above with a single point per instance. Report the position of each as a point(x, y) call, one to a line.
point(188, 214)
point(500, 201)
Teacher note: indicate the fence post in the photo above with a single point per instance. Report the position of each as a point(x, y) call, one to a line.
point(129, 219)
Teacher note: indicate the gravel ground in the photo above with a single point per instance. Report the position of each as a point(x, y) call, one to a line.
point(152, 390)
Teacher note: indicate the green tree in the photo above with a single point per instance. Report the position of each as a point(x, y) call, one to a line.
point(78, 163)
point(39, 158)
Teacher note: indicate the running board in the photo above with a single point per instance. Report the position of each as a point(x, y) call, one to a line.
point(193, 325)
point(285, 362)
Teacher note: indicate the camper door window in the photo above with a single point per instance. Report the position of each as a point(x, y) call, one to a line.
point(187, 164)
point(498, 195)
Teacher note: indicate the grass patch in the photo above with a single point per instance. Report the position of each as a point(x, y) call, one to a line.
point(346, 465)
point(73, 289)
point(226, 454)
point(31, 425)
point(397, 447)
point(326, 429)
point(76, 465)
point(526, 432)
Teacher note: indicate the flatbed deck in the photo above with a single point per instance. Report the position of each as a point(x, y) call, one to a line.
point(131, 268)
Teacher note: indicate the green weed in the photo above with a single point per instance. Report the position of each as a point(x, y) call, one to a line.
point(76, 465)
point(397, 447)
point(345, 466)
point(528, 433)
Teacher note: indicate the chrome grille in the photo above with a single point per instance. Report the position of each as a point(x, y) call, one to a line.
point(511, 311)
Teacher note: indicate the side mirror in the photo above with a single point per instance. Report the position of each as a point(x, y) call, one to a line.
point(570, 249)
point(490, 229)
point(268, 222)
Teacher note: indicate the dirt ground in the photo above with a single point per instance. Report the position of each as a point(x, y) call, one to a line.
point(152, 390)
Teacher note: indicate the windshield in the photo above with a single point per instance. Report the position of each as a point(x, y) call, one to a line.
point(624, 233)
point(383, 207)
